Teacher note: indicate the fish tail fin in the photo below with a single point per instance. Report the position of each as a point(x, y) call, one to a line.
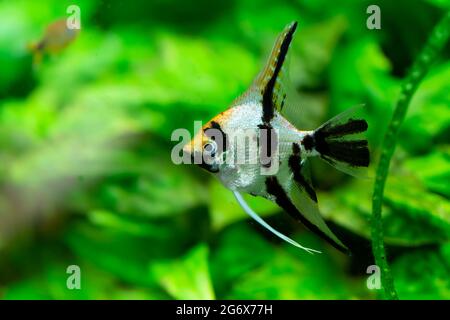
point(341, 143)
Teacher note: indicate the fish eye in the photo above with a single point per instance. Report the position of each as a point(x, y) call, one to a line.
point(210, 148)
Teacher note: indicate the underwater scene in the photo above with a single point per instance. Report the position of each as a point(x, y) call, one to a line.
point(96, 95)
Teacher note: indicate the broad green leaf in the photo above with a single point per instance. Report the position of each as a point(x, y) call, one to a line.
point(428, 121)
point(232, 258)
point(433, 170)
point(50, 282)
point(418, 205)
point(422, 274)
point(295, 274)
point(107, 249)
point(166, 190)
point(410, 217)
point(187, 278)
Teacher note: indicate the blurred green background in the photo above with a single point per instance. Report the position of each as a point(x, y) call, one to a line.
point(86, 177)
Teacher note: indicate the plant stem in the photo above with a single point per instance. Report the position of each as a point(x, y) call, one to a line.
point(421, 66)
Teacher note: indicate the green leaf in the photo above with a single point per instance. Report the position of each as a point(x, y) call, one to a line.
point(166, 190)
point(410, 216)
point(422, 274)
point(232, 259)
point(418, 205)
point(428, 121)
point(293, 274)
point(186, 278)
point(50, 282)
point(107, 249)
point(433, 170)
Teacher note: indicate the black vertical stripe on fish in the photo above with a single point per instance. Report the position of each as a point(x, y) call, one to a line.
point(295, 166)
point(271, 140)
point(274, 188)
point(296, 149)
point(267, 93)
point(216, 126)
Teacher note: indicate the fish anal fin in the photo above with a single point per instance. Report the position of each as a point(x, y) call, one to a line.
point(309, 211)
point(300, 206)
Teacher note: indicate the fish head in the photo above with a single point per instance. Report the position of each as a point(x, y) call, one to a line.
point(209, 145)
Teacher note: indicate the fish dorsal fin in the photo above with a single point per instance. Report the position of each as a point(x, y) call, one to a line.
point(271, 86)
point(269, 81)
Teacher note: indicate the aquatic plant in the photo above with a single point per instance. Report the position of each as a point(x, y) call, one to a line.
point(419, 70)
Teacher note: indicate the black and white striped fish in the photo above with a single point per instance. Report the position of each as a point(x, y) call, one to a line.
point(268, 110)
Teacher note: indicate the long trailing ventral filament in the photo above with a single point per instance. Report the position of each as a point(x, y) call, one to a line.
point(258, 219)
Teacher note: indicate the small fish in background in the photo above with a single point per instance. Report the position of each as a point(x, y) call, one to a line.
point(56, 38)
point(269, 106)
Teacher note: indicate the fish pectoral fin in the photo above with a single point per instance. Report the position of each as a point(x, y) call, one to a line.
point(258, 219)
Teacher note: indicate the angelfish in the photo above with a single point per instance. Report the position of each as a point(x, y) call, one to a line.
point(268, 108)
